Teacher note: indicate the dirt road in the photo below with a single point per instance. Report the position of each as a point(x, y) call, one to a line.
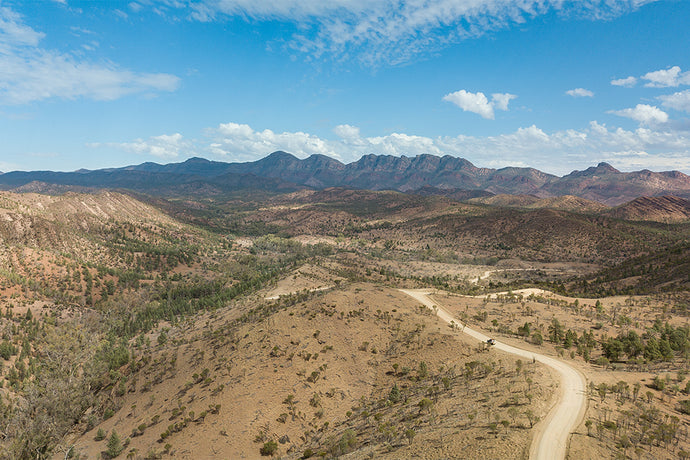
point(552, 434)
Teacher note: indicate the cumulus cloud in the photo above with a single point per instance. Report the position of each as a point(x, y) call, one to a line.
point(392, 31)
point(562, 151)
point(667, 78)
point(677, 101)
point(628, 82)
point(478, 102)
point(643, 113)
point(347, 132)
point(240, 141)
point(500, 100)
point(471, 102)
point(579, 92)
point(30, 73)
point(167, 146)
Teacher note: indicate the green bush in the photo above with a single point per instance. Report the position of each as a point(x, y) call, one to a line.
point(269, 448)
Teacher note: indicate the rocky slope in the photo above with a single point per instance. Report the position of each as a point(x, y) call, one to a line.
point(658, 209)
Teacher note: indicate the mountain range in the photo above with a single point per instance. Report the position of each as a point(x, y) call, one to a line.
point(426, 174)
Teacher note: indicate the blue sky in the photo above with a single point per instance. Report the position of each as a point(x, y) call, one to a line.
point(553, 84)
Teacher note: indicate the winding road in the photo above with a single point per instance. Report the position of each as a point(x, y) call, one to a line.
point(552, 434)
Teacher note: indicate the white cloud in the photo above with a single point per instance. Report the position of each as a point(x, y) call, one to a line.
point(471, 102)
point(478, 103)
point(347, 132)
point(240, 141)
point(559, 152)
point(670, 77)
point(500, 100)
point(643, 113)
point(13, 32)
point(166, 146)
point(380, 32)
point(628, 82)
point(677, 101)
point(579, 92)
point(30, 73)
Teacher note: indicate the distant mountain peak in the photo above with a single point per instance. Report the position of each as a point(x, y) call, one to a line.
point(280, 155)
point(197, 160)
point(603, 166)
point(598, 170)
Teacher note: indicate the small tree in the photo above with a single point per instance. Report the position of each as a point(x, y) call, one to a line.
point(423, 371)
point(410, 434)
point(394, 396)
point(532, 417)
point(114, 445)
point(347, 443)
point(537, 338)
point(100, 435)
point(505, 424)
point(513, 413)
point(425, 404)
point(518, 366)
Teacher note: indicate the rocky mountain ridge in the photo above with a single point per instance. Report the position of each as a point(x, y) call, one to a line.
point(283, 172)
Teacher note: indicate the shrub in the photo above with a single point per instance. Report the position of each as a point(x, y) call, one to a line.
point(602, 361)
point(269, 448)
point(659, 383)
point(425, 404)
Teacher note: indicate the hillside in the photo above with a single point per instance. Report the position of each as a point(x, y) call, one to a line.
point(664, 270)
point(334, 372)
point(563, 203)
point(658, 209)
point(508, 201)
point(73, 223)
point(218, 327)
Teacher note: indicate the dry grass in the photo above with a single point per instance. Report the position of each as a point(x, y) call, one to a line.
point(316, 369)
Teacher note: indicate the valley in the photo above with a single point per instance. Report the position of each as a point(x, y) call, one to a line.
point(297, 322)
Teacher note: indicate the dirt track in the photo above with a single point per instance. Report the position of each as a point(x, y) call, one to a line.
point(552, 434)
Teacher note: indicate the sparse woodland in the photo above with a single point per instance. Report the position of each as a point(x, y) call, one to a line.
point(227, 329)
